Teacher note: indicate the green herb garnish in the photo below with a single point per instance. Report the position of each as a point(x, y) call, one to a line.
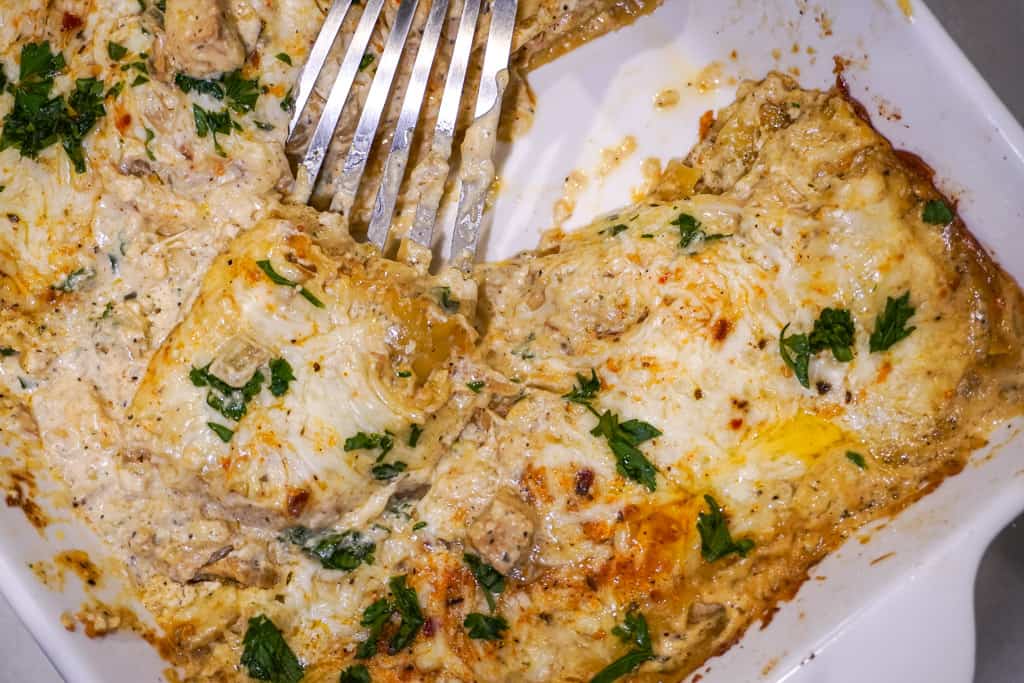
point(406, 605)
point(7, 351)
point(796, 352)
point(188, 84)
point(241, 93)
point(357, 673)
point(370, 441)
point(344, 551)
point(484, 627)
point(284, 57)
point(715, 540)
point(937, 212)
point(490, 579)
point(366, 61)
point(74, 280)
point(116, 52)
point(277, 279)
point(387, 471)
point(414, 435)
point(614, 230)
point(266, 655)
point(445, 299)
point(857, 459)
point(833, 330)
point(149, 138)
point(890, 326)
point(220, 430)
point(633, 632)
point(213, 124)
point(692, 230)
point(585, 390)
point(280, 376)
point(475, 386)
point(623, 438)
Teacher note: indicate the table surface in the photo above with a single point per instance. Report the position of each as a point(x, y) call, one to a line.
point(987, 30)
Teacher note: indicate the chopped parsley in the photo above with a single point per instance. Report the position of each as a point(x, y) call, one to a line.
point(220, 430)
point(585, 390)
point(288, 101)
point(623, 437)
point(475, 386)
point(280, 376)
point(387, 471)
point(187, 84)
point(84, 109)
point(370, 441)
point(278, 279)
point(484, 627)
point(692, 230)
point(614, 230)
point(213, 123)
point(37, 120)
point(284, 57)
point(266, 655)
point(345, 551)
point(796, 353)
point(404, 374)
point(414, 435)
point(715, 540)
point(140, 80)
point(38, 62)
point(419, 525)
point(937, 212)
point(74, 280)
point(406, 605)
point(357, 673)
point(149, 138)
point(241, 93)
point(231, 402)
point(7, 352)
point(857, 459)
point(632, 632)
point(366, 61)
point(490, 579)
point(891, 325)
point(833, 330)
point(445, 299)
point(116, 52)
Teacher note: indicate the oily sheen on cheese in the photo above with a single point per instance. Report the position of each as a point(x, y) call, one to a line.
point(283, 435)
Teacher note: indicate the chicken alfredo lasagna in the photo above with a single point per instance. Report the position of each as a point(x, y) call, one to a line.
point(600, 459)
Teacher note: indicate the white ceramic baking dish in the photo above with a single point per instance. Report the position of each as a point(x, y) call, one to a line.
point(895, 603)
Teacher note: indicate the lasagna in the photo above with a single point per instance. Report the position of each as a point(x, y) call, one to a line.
point(601, 459)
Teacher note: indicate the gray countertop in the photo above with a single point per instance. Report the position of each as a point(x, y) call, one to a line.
point(989, 32)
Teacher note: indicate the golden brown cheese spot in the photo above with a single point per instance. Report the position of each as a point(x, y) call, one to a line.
point(78, 563)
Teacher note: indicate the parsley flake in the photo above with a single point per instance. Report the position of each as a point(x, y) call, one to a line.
point(116, 52)
point(691, 230)
point(635, 633)
point(266, 655)
point(937, 212)
point(715, 540)
point(280, 376)
point(491, 581)
point(484, 627)
point(891, 324)
point(278, 279)
point(857, 459)
point(357, 673)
